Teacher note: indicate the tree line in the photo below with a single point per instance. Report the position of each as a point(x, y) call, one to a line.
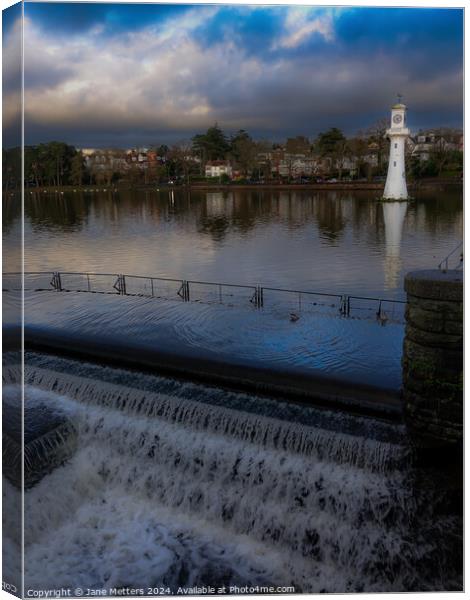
point(57, 163)
point(50, 164)
point(333, 146)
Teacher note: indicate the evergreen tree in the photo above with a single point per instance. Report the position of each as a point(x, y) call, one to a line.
point(211, 145)
point(328, 142)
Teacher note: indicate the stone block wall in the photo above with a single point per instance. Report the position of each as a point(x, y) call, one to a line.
point(433, 356)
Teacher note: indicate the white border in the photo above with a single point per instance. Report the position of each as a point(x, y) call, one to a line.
point(359, 3)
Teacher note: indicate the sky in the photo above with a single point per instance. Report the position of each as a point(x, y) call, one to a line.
point(124, 75)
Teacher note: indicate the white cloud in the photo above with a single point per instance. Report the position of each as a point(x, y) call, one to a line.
point(158, 76)
point(161, 79)
point(299, 27)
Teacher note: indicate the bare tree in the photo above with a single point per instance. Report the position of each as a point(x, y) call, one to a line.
point(263, 158)
point(343, 153)
point(376, 133)
point(440, 154)
point(182, 158)
point(359, 150)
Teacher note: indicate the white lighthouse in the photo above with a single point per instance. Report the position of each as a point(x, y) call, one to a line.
point(395, 186)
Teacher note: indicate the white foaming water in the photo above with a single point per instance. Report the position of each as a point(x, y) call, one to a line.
point(166, 491)
point(270, 432)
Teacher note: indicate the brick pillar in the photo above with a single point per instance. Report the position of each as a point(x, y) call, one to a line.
point(433, 356)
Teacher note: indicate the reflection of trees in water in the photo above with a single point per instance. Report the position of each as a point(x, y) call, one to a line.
point(438, 212)
point(330, 220)
point(73, 211)
point(250, 209)
point(246, 210)
point(241, 212)
point(11, 211)
point(216, 226)
point(217, 213)
point(47, 211)
point(365, 214)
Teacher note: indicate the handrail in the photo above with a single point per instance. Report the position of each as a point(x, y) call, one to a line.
point(302, 292)
point(188, 292)
point(444, 264)
point(381, 299)
point(212, 283)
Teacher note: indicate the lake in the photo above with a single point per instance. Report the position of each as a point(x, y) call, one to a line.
point(338, 242)
point(171, 482)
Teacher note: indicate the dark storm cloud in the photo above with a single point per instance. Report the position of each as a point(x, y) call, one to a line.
point(153, 73)
point(425, 40)
point(78, 18)
point(45, 74)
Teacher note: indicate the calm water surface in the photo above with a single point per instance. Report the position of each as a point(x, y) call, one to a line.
point(322, 241)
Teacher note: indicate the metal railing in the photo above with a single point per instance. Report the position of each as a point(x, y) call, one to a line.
point(208, 292)
point(444, 264)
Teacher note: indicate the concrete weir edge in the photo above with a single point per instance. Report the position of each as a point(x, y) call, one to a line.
point(291, 385)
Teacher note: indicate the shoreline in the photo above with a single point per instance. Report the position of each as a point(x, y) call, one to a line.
point(338, 186)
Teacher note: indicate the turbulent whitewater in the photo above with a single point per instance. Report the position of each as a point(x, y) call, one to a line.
point(177, 484)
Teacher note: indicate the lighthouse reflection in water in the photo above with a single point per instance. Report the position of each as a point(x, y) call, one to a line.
point(394, 218)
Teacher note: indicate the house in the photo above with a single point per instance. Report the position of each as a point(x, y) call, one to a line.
point(428, 142)
point(105, 160)
point(217, 168)
point(424, 146)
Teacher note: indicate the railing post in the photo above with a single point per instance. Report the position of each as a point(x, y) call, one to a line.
point(257, 298)
point(180, 292)
point(379, 312)
point(120, 285)
point(56, 281)
point(183, 292)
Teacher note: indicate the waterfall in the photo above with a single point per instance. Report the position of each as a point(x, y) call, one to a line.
point(164, 490)
point(273, 433)
point(49, 438)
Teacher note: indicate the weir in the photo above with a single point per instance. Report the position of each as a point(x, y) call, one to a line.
point(203, 416)
point(331, 360)
point(197, 489)
point(176, 482)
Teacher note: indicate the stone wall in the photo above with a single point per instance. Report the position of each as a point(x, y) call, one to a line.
point(433, 356)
